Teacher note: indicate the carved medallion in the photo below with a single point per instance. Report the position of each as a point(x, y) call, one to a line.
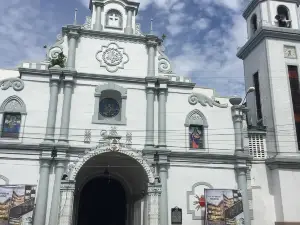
point(290, 52)
point(112, 57)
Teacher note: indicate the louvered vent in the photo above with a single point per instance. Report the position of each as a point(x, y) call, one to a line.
point(257, 146)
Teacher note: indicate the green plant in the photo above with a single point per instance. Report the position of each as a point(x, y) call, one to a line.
point(60, 60)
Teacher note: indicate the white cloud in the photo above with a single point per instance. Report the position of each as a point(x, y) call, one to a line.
point(201, 24)
point(178, 6)
point(22, 31)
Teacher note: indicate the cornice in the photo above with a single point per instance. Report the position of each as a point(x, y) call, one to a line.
point(252, 5)
point(33, 71)
point(268, 32)
point(201, 157)
point(19, 146)
point(106, 35)
point(283, 162)
point(110, 78)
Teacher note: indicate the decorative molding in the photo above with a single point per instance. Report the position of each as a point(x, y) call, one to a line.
point(272, 32)
point(111, 146)
point(192, 193)
point(16, 83)
point(112, 57)
point(284, 162)
point(290, 52)
point(196, 117)
point(87, 24)
point(204, 100)
point(13, 104)
point(164, 64)
point(87, 136)
point(254, 3)
point(138, 31)
point(5, 179)
point(122, 101)
point(57, 48)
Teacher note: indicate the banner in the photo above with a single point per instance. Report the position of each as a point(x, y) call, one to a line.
point(223, 207)
point(16, 204)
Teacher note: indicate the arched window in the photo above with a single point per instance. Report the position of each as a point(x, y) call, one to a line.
point(12, 113)
point(196, 124)
point(114, 19)
point(254, 23)
point(110, 104)
point(283, 16)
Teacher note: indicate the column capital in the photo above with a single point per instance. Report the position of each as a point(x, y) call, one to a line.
point(45, 163)
point(73, 34)
point(154, 189)
point(98, 4)
point(129, 8)
point(67, 186)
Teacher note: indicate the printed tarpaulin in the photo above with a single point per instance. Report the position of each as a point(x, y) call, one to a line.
point(223, 207)
point(16, 204)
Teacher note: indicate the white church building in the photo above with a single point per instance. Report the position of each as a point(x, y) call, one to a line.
point(110, 135)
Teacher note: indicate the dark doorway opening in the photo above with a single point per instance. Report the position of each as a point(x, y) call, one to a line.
point(102, 202)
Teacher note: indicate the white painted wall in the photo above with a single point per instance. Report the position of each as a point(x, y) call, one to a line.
point(281, 95)
point(86, 61)
point(181, 178)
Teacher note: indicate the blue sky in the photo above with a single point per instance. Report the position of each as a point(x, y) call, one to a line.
point(202, 35)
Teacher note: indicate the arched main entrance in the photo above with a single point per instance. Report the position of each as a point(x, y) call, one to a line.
point(102, 201)
point(86, 195)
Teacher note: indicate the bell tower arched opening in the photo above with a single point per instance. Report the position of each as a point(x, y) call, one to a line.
point(102, 199)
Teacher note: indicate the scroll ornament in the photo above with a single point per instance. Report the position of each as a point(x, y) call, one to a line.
point(204, 100)
point(56, 49)
point(164, 64)
point(16, 83)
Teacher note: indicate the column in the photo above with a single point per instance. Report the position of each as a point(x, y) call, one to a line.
point(162, 118)
point(55, 203)
point(65, 118)
point(154, 191)
point(151, 58)
point(163, 174)
point(52, 110)
point(72, 49)
point(137, 212)
point(128, 29)
point(237, 116)
point(66, 204)
point(242, 184)
point(98, 24)
point(42, 193)
point(145, 210)
point(150, 118)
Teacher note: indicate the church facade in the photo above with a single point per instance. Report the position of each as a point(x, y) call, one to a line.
point(109, 133)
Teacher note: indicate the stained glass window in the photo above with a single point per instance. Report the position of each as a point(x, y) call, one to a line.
point(109, 107)
point(11, 125)
point(196, 137)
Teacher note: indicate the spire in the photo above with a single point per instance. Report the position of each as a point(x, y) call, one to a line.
point(75, 17)
point(151, 26)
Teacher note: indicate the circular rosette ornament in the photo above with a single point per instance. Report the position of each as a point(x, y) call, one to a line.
point(112, 57)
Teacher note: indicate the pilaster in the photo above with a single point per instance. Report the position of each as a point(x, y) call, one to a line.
point(55, 203)
point(98, 24)
point(152, 43)
point(42, 193)
point(153, 205)
point(237, 117)
point(241, 173)
point(162, 102)
point(129, 29)
point(150, 94)
point(56, 73)
point(66, 109)
point(163, 174)
point(66, 204)
point(73, 35)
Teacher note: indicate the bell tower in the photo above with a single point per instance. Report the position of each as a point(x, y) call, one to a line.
point(271, 65)
point(114, 16)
